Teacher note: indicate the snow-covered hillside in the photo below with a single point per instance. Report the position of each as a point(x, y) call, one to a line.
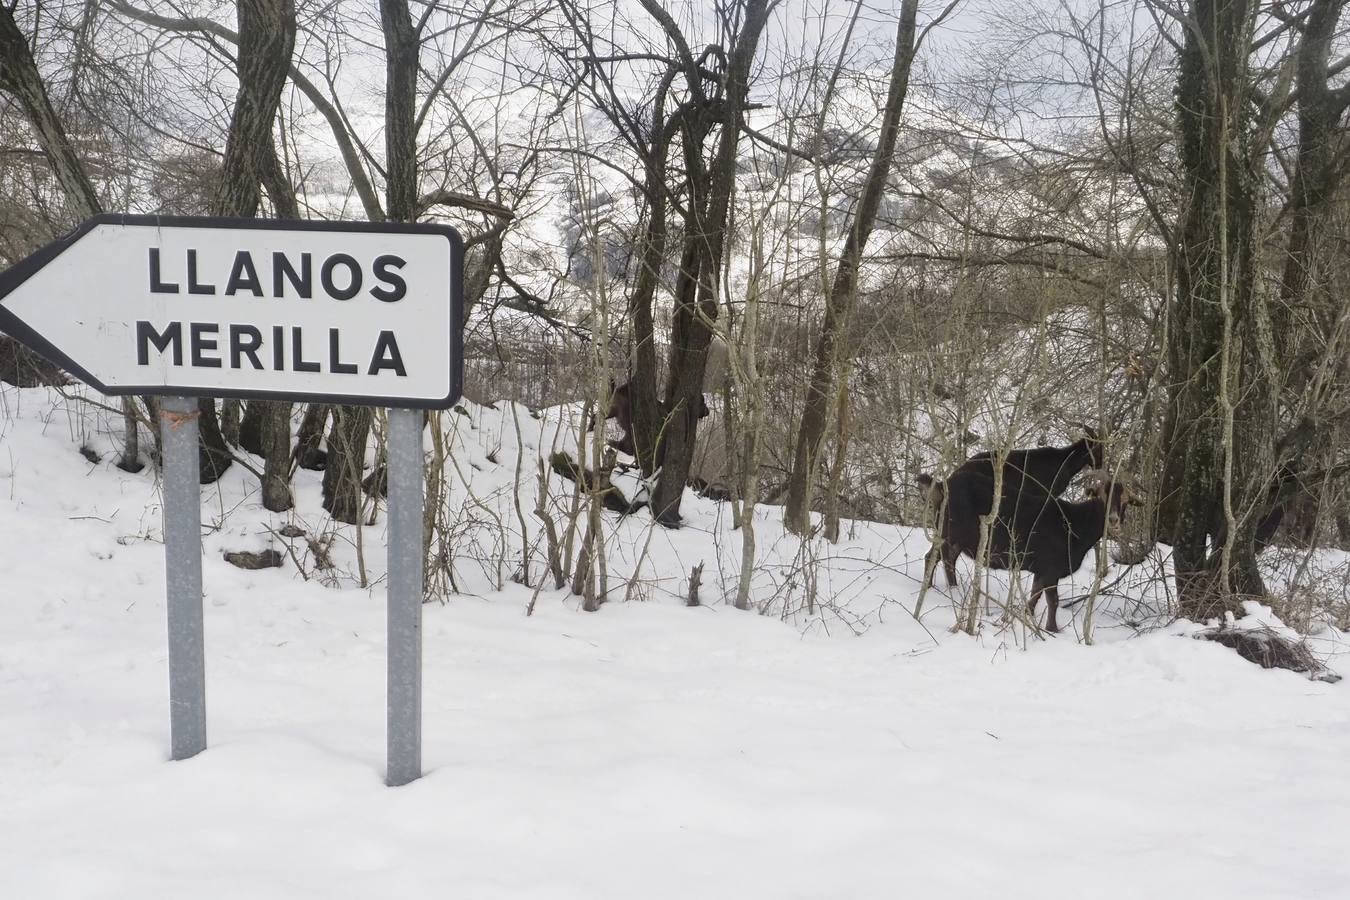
point(648, 750)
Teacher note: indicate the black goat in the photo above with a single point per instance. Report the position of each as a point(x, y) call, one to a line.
point(1034, 531)
point(620, 408)
point(1039, 470)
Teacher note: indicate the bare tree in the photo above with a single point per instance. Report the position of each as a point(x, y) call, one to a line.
point(829, 349)
point(697, 288)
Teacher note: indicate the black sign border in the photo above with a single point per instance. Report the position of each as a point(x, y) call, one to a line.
point(11, 278)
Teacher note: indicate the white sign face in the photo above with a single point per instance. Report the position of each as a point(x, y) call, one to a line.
point(353, 312)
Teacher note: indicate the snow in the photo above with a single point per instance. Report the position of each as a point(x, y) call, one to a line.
point(648, 750)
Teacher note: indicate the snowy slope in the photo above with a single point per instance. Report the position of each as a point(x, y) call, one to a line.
point(648, 750)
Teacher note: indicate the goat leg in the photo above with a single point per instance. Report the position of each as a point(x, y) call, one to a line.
point(1052, 607)
point(949, 554)
point(1051, 594)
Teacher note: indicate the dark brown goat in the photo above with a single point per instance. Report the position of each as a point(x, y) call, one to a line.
point(1034, 531)
point(1040, 470)
point(620, 409)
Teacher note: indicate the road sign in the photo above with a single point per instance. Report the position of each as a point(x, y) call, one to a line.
point(366, 313)
point(338, 312)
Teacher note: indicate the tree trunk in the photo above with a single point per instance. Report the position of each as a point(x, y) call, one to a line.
point(307, 453)
point(830, 347)
point(400, 109)
point(276, 485)
point(213, 455)
point(1316, 175)
point(230, 412)
point(689, 340)
point(1307, 314)
point(646, 413)
point(251, 426)
point(1220, 430)
point(696, 310)
point(266, 41)
point(342, 495)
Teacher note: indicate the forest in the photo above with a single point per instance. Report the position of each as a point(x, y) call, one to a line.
point(807, 253)
point(904, 449)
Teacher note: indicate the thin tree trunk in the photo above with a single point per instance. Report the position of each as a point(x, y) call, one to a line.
point(400, 102)
point(830, 346)
point(842, 433)
point(213, 455)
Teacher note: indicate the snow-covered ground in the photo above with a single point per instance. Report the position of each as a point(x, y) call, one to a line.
point(648, 750)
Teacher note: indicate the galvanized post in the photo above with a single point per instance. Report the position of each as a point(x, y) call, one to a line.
point(404, 602)
point(183, 571)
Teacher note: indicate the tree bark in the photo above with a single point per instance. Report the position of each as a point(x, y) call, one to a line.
point(342, 495)
point(400, 110)
point(266, 42)
point(1220, 429)
point(830, 346)
point(251, 427)
point(1316, 175)
point(646, 413)
point(230, 423)
point(310, 436)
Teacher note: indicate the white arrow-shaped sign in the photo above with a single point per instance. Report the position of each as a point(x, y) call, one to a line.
point(348, 312)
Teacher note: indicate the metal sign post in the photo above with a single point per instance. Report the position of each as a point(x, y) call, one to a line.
point(405, 597)
point(334, 312)
point(183, 577)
